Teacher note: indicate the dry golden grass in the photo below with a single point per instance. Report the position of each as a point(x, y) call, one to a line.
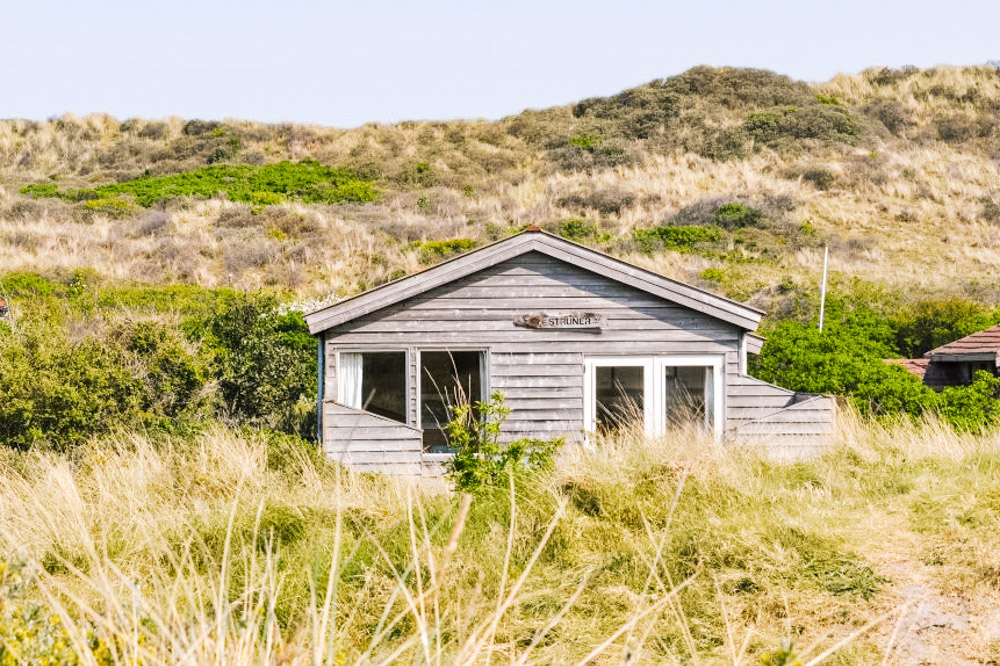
point(905, 210)
point(670, 551)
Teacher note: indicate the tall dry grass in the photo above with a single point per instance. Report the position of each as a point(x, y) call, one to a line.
point(226, 550)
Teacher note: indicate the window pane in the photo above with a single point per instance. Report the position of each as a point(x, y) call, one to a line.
point(446, 379)
point(374, 382)
point(686, 389)
point(620, 396)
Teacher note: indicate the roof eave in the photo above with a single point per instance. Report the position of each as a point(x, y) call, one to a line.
point(722, 308)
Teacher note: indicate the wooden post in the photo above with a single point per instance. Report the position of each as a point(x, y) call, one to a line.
point(822, 290)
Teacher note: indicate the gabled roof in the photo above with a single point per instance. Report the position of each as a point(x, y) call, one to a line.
point(533, 240)
point(915, 366)
point(984, 345)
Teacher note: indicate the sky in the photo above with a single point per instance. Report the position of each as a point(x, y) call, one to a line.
point(347, 63)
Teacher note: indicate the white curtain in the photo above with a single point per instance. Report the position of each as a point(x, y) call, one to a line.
point(351, 375)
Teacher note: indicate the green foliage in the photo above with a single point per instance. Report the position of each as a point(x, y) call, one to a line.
point(973, 407)
point(262, 185)
point(821, 121)
point(930, 324)
point(480, 460)
point(585, 141)
point(265, 362)
point(433, 251)
point(182, 354)
point(61, 392)
point(112, 207)
point(638, 113)
point(675, 237)
point(581, 231)
point(847, 359)
point(737, 215)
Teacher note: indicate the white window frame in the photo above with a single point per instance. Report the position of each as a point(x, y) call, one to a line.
point(591, 363)
point(654, 385)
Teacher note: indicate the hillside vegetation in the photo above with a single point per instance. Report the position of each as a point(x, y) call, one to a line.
point(895, 169)
point(123, 245)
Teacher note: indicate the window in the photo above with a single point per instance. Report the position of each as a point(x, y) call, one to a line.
point(687, 394)
point(620, 393)
point(659, 392)
point(447, 378)
point(374, 382)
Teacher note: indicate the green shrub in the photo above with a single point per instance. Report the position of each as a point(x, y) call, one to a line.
point(266, 365)
point(112, 207)
point(585, 141)
point(480, 460)
point(677, 238)
point(62, 392)
point(929, 324)
point(582, 231)
point(847, 359)
point(307, 181)
point(820, 121)
point(434, 251)
point(737, 215)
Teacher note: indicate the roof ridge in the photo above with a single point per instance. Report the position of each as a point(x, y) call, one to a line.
point(978, 338)
point(558, 248)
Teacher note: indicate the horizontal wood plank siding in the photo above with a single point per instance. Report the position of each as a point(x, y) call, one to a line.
point(368, 442)
point(789, 424)
point(540, 372)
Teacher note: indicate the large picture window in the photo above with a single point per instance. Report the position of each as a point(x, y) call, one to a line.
point(374, 382)
point(655, 392)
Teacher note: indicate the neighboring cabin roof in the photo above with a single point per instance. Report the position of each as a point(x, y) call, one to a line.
point(983, 345)
point(916, 366)
point(533, 240)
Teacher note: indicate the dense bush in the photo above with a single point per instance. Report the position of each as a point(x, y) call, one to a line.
point(61, 392)
point(182, 354)
point(307, 181)
point(822, 121)
point(265, 362)
point(434, 251)
point(736, 215)
point(678, 238)
point(847, 359)
point(581, 231)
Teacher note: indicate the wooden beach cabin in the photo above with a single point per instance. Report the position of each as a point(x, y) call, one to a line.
point(575, 339)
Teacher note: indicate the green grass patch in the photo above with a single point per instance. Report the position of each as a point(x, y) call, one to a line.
point(260, 185)
point(677, 238)
point(433, 251)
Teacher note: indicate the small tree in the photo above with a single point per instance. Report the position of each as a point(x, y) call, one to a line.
point(481, 460)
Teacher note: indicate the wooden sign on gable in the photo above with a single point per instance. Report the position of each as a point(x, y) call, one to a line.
point(572, 320)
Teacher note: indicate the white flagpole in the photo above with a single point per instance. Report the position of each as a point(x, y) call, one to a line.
point(822, 291)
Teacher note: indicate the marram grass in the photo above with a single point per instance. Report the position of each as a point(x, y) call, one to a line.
point(217, 550)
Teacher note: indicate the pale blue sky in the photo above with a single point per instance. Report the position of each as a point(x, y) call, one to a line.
point(346, 63)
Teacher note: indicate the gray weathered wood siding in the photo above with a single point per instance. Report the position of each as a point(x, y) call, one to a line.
point(368, 442)
point(539, 371)
point(789, 424)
